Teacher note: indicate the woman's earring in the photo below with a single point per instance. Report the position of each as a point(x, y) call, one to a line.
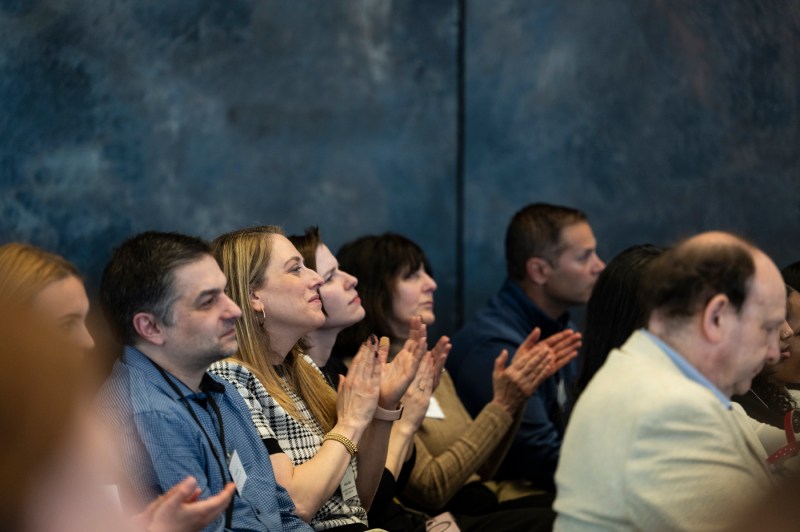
point(261, 319)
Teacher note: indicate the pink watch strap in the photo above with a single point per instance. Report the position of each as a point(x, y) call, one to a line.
point(388, 415)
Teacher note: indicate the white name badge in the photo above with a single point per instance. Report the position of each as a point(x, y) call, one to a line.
point(561, 393)
point(237, 472)
point(348, 485)
point(434, 409)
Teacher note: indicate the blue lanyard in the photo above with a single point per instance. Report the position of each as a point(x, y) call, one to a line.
point(218, 414)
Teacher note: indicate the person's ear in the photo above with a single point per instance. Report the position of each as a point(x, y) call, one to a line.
point(146, 325)
point(716, 317)
point(538, 270)
point(257, 303)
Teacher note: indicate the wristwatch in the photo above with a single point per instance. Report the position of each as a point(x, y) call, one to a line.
point(388, 415)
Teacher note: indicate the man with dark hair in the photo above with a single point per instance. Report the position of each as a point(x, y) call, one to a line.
point(141, 275)
point(165, 296)
point(552, 264)
point(653, 443)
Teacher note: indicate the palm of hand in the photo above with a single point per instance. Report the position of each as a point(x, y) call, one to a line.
point(395, 378)
point(358, 392)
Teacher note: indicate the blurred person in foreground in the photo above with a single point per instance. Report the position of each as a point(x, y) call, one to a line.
point(55, 475)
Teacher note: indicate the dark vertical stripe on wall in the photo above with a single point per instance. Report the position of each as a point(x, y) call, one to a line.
point(460, 132)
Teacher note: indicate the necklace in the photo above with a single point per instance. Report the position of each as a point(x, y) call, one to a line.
point(760, 399)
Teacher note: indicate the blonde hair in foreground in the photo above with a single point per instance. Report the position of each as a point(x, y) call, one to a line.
point(35, 430)
point(243, 256)
point(25, 270)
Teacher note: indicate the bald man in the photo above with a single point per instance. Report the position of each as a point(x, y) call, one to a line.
point(653, 443)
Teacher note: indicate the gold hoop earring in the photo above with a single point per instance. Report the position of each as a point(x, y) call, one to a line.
point(261, 319)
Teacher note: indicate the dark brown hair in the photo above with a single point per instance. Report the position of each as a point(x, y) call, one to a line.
point(140, 277)
point(683, 279)
point(377, 261)
point(791, 275)
point(535, 231)
point(307, 245)
point(614, 311)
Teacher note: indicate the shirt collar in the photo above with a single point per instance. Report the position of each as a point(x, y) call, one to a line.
point(687, 369)
point(534, 314)
point(137, 359)
point(210, 385)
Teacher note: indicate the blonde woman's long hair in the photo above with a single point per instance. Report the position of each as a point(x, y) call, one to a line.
point(25, 270)
point(243, 256)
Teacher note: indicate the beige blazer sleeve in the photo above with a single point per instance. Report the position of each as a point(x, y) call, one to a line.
point(772, 438)
point(649, 449)
point(684, 467)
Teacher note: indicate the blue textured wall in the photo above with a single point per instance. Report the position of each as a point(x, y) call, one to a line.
point(203, 116)
point(658, 118)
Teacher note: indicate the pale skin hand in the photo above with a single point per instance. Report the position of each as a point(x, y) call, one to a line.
point(565, 346)
point(398, 374)
point(383, 447)
point(372, 449)
point(178, 510)
point(439, 354)
point(358, 393)
point(312, 483)
point(418, 395)
point(415, 406)
point(532, 364)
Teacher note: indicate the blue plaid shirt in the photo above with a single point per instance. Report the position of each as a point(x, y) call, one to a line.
point(162, 443)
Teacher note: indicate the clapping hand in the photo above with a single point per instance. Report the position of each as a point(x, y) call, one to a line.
point(439, 354)
point(358, 393)
point(418, 395)
point(398, 374)
point(565, 346)
point(178, 510)
point(533, 363)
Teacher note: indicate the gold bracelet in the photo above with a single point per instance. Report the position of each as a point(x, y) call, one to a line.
point(344, 440)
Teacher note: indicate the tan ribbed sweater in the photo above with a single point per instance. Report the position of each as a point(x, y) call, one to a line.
point(457, 449)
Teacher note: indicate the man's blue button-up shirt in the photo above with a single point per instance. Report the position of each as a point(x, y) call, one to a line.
point(162, 443)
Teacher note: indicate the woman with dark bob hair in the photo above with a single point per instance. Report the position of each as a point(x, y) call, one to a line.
point(381, 264)
point(455, 453)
